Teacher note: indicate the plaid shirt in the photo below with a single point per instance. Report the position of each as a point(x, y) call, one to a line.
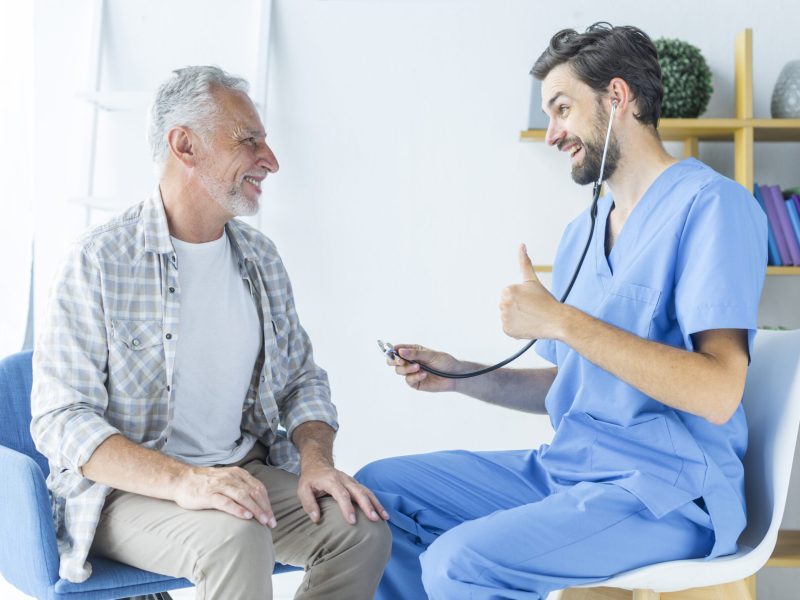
point(104, 359)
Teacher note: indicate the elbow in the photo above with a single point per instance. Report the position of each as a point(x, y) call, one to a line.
point(725, 405)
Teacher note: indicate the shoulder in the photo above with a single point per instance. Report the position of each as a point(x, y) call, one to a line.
point(698, 186)
point(121, 239)
point(254, 242)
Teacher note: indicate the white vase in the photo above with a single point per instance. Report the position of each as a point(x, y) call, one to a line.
point(786, 95)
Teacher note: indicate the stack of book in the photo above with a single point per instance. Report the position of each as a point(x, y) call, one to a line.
point(783, 218)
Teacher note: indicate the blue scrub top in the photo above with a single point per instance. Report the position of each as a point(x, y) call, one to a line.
point(691, 257)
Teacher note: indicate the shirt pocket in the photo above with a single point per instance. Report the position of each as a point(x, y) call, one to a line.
point(136, 361)
point(631, 307)
point(645, 446)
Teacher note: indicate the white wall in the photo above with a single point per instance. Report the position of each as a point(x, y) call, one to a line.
point(403, 189)
point(16, 171)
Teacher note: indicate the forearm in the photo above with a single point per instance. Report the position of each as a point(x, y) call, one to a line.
point(124, 465)
point(696, 382)
point(314, 441)
point(518, 389)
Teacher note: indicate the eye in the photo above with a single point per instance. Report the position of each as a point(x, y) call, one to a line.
point(563, 110)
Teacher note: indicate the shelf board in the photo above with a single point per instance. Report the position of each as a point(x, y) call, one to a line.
point(787, 550)
point(770, 270)
point(764, 130)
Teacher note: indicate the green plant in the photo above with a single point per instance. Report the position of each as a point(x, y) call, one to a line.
point(686, 79)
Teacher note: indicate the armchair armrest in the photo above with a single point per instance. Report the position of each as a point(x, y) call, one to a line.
point(28, 552)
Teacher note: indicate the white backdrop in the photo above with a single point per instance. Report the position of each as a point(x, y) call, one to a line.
point(403, 190)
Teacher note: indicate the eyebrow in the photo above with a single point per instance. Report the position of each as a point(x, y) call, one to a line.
point(554, 98)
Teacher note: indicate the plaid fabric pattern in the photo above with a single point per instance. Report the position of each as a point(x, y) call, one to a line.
point(104, 357)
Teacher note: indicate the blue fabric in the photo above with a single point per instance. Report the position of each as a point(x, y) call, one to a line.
point(494, 525)
point(691, 257)
point(30, 561)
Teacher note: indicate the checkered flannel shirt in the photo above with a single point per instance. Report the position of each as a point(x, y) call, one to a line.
point(104, 359)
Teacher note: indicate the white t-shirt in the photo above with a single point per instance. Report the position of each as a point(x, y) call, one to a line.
point(218, 344)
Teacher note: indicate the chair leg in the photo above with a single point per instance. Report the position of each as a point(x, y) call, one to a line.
point(743, 589)
point(595, 593)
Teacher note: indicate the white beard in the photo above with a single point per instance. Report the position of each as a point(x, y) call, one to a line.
point(231, 199)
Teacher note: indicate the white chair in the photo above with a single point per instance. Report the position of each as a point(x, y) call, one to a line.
point(772, 405)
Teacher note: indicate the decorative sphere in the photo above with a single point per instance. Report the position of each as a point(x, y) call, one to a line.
point(686, 79)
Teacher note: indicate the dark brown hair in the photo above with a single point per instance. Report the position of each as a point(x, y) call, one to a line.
point(604, 52)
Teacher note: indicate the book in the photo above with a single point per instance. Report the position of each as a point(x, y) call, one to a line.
point(772, 246)
point(783, 218)
point(772, 217)
point(793, 208)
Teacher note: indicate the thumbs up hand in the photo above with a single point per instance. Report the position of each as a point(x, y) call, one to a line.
point(527, 310)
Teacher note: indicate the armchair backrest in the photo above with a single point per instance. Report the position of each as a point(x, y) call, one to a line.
point(772, 405)
point(15, 407)
point(28, 557)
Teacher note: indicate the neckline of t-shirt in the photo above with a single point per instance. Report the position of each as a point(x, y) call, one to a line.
point(203, 247)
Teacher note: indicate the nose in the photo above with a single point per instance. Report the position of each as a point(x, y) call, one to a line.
point(267, 160)
point(554, 133)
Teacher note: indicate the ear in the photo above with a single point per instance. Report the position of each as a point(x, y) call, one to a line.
point(618, 90)
point(182, 145)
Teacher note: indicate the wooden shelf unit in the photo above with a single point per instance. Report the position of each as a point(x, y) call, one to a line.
point(743, 130)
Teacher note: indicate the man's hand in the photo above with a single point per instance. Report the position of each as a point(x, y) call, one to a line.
point(319, 478)
point(415, 376)
point(527, 310)
point(229, 489)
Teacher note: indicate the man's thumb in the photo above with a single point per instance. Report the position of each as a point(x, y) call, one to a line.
point(525, 265)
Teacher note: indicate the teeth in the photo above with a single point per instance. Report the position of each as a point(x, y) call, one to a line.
point(575, 151)
point(255, 182)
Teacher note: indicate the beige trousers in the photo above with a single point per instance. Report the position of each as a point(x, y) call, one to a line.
point(228, 558)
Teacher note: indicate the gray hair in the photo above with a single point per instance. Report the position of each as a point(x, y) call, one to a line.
point(186, 100)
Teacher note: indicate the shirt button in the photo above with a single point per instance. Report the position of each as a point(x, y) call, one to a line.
point(135, 341)
point(274, 420)
point(168, 336)
point(172, 290)
point(169, 388)
point(263, 378)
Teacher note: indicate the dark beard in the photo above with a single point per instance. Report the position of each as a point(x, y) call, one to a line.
point(589, 170)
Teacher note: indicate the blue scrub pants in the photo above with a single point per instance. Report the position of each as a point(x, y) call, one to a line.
point(493, 525)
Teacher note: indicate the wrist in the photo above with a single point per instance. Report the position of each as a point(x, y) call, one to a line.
point(566, 322)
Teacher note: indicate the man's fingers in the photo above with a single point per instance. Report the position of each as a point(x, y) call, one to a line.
point(345, 502)
point(243, 496)
point(525, 265)
point(309, 502)
point(258, 493)
point(226, 504)
point(366, 501)
point(415, 352)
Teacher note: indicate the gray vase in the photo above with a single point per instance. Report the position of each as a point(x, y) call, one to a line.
point(786, 95)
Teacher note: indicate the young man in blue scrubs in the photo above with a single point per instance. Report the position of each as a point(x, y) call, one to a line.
point(650, 352)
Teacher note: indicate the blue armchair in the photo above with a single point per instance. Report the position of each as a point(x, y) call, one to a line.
point(28, 553)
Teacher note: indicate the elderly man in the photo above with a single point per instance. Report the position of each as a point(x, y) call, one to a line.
point(188, 429)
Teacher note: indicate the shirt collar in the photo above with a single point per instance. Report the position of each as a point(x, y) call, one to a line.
point(156, 228)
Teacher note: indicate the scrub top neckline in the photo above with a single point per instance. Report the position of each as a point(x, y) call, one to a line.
point(602, 262)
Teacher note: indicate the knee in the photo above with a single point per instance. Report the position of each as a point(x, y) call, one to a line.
point(378, 475)
point(241, 546)
point(371, 540)
point(446, 565)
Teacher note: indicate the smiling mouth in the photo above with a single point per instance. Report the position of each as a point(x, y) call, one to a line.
point(255, 182)
point(575, 149)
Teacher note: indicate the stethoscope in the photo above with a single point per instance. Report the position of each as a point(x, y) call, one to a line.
point(389, 350)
